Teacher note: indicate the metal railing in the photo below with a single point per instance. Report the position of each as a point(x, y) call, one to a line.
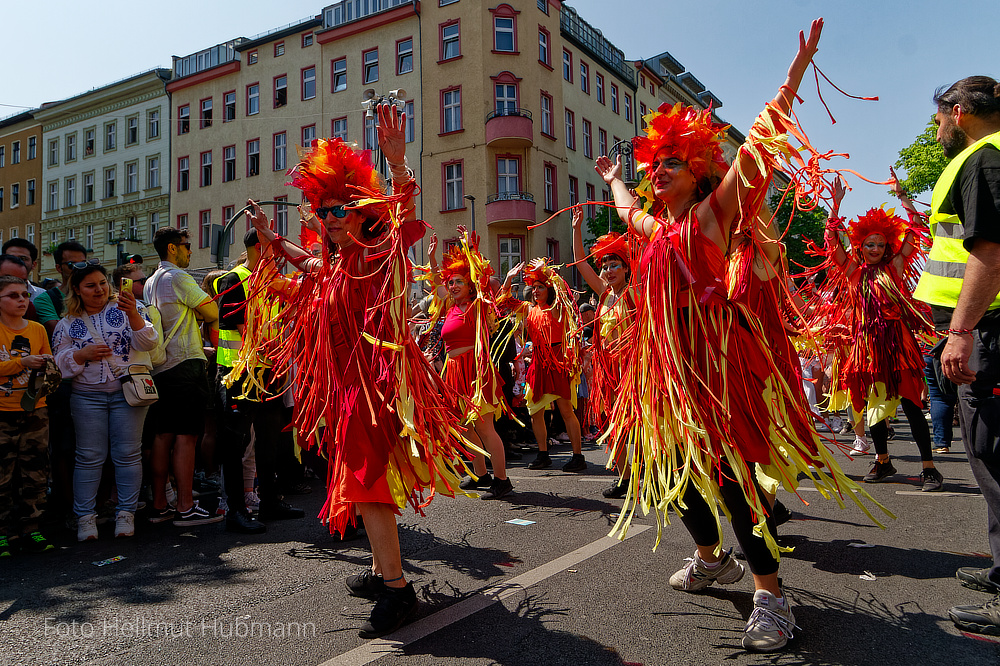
point(510, 196)
point(497, 113)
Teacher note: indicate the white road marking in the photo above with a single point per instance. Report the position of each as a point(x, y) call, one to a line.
point(380, 647)
point(937, 494)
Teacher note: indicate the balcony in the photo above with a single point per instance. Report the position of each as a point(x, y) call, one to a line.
point(510, 207)
point(509, 128)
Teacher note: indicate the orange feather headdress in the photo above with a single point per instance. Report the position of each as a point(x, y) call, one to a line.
point(610, 244)
point(688, 134)
point(465, 260)
point(878, 221)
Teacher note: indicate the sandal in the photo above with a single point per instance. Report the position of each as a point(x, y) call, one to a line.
point(943, 449)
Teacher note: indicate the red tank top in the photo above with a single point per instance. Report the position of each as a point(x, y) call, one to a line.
point(459, 329)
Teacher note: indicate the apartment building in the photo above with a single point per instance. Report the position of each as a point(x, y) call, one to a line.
point(20, 177)
point(105, 181)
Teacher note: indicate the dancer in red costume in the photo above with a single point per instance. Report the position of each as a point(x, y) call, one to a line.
point(702, 395)
point(363, 391)
point(884, 366)
point(553, 324)
point(613, 255)
point(461, 287)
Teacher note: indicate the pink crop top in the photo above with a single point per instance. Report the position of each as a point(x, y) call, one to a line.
point(459, 330)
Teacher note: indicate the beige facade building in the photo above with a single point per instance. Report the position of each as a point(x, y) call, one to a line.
point(20, 177)
point(105, 180)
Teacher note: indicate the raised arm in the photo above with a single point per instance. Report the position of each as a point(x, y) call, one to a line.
point(439, 289)
point(625, 202)
point(832, 234)
point(299, 257)
point(391, 131)
point(590, 276)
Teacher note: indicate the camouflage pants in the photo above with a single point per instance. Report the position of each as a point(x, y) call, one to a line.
point(24, 444)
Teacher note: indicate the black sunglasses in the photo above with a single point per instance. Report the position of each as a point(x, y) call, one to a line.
point(186, 245)
point(336, 211)
point(80, 265)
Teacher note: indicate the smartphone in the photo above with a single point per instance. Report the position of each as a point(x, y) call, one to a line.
point(126, 284)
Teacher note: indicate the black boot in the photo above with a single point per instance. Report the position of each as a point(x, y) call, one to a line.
point(394, 607)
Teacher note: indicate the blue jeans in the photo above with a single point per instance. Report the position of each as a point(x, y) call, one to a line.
point(942, 406)
point(105, 423)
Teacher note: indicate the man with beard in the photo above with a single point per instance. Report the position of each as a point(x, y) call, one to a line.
point(961, 282)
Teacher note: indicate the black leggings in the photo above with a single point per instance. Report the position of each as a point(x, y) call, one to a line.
point(701, 525)
point(918, 427)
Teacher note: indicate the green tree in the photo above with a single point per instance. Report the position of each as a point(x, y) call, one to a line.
point(804, 224)
point(923, 161)
point(597, 226)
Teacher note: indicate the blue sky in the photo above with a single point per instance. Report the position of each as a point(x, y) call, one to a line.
point(900, 51)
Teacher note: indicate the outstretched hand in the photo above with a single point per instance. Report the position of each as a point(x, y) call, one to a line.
point(259, 221)
point(838, 194)
point(514, 271)
point(577, 219)
point(608, 170)
point(809, 47)
point(309, 220)
point(895, 185)
point(391, 132)
point(432, 247)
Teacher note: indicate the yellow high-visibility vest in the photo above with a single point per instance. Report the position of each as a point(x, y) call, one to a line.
point(941, 281)
point(229, 339)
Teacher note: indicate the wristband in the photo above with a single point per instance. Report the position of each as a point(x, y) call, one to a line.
point(959, 331)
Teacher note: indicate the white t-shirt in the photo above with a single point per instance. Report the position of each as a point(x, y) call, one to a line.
point(176, 294)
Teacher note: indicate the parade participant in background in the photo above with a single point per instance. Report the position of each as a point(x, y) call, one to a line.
point(884, 367)
point(702, 394)
point(616, 306)
point(553, 324)
point(100, 337)
point(364, 392)
point(462, 286)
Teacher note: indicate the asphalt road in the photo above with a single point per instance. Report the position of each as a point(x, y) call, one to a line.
point(555, 591)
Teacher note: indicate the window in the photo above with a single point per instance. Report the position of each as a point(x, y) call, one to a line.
point(15, 152)
point(614, 98)
point(89, 142)
point(131, 177)
point(451, 110)
point(308, 136)
point(588, 143)
point(15, 195)
point(404, 56)
point(2, 155)
point(53, 152)
point(339, 74)
point(570, 130)
point(544, 53)
point(628, 107)
point(552, 250)
point(510, 252)
point(154, 223)
point(229, 106)
point(280, 153)
point(591, 195)
point(88, 187)
point(110, 136)
point(31, 192)
point(454, 189)
point(132, 131)
point(643, 110)
point(204, 228)
point(153, 124)
point(253, 157)
point(184, 119)
point(71, 191)
point(584, 77)
point(543, 5)
point(339, 128)
point(1, 199)
point(152, 172)
point(206, 168)
point(89, 236)
point(109, 182)
point(503, 34)
point(567, 65)
point(506, 98)
point(599, 81)
point(183, 174)
point(549, 177)
point(279, 49)
point(29, 229)
point(253, 99)
point(574, 191)
point(411, 121)
point(53, 196)
point(228, 164)
point(508, 178)
point(70, 148)
point(370, 60)
point(450, 41)
point(32, 147)
point(546, 104)
point(307, 40)
point(371, 122)
point(133, 227)
point(309, 83)
point(281, 217)
point(280, 91)
point(252, 57)
point(227, 214)
point(602, 142)
point(182, 221)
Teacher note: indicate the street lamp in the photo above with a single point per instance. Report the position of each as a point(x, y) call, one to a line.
point(473, 200)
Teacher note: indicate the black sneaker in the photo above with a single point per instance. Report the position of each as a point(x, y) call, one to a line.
point(576, 464)
point(242, 522)
point(498, 489)
point(157, 516)
point(470, 483)
point(541, 461)
point(279, 510)
point(780, 513)
point(195, 516)
point(36, 543)
point(367, 585)
point(394, 607)
point(617, 490)
point(931, 480)
point(880, 472)
point(977, 579)
point(982, 619)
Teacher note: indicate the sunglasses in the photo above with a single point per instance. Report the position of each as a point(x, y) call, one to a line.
point(184, 245)
point(80, 265)
point(18, 296)
point(337, 211)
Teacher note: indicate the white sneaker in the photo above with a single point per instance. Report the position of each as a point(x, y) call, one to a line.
point(836, 423)
point(861, 447)
point(252, 500)
point(86, 527)
point(770, 624)
point(125, 524)
point(696, 575)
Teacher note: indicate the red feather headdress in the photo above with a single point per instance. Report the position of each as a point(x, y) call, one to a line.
point(688, 135)
point(334, 169)
point(878, 221)
point(608, 244)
